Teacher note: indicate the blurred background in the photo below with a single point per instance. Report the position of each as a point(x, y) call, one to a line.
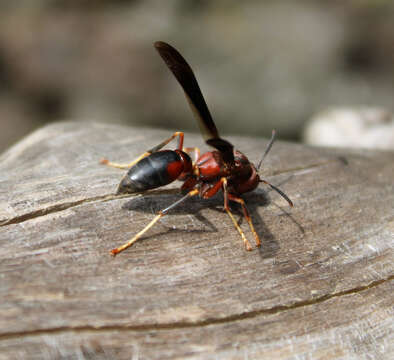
point(260, 64)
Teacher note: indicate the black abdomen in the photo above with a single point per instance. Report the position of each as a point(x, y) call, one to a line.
point(155, 170)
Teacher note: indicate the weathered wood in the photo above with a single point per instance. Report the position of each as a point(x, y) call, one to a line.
point(320, 287)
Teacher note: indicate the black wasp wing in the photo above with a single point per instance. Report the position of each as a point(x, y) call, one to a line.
point(185, 76)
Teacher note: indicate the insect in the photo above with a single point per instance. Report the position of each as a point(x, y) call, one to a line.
point(223, 169)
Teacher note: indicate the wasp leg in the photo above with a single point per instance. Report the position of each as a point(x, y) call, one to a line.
point(123, 166)
point(226, 207)
point(147, 153)
point(155, 219)
point(196, 151)
point(247, 216)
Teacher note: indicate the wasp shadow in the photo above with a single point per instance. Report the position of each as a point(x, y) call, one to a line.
point(153, 202)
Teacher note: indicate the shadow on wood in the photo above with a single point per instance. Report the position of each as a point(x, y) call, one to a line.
point(320, 287)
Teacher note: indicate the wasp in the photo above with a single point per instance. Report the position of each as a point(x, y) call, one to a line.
point(224, 168)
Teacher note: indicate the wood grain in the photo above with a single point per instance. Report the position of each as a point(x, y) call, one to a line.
point(319, 288)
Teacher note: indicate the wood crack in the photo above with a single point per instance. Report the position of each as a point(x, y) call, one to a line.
point(56, 208)
point(103, 198)
point(207, 322)
point(64, 206)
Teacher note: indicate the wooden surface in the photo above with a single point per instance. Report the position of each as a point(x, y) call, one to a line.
point(320, 287)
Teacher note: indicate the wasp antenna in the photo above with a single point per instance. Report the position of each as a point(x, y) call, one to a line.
point(269, 146)
point(279, 191)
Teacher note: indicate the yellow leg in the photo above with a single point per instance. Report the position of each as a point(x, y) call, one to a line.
point(153, 222)
point(147, 153)
point(123, 166)
point(226, 207)
point(136, 237)
point(196, 151)
point(247, 216)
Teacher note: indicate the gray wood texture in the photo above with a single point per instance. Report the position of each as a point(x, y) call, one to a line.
point(320, 287)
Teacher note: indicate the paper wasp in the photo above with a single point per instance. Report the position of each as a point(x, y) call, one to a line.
point(223, 169)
